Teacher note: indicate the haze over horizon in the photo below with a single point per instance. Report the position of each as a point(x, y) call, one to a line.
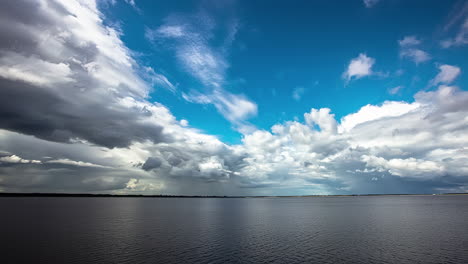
point(233, 97)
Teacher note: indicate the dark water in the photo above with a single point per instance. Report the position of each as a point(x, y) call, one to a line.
point(430, 229)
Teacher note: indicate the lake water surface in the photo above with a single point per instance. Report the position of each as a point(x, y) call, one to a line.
point(382, 229)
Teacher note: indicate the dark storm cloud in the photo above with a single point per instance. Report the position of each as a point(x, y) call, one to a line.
point(79, 104)
point(46, 115)
point(151, 163)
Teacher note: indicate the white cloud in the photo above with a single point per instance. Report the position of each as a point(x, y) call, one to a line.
point(132, 183)
point(416, 55)
point(422, 140)
point(359, 67)
point(17, 159)
point(184, 123)
point(370, 3)
point(408, 49)
point(158, 79)
point(235, 108)
point(131, 2)
point(15, 66)
point(297, 93)
point(372, 112)
point(171, 31)
point(409, 41)
point(75, 163)
point(447, 75)
point(323, 119)
point(404, 167)
point(395, 89)
point(208, 65)
point(460, 39)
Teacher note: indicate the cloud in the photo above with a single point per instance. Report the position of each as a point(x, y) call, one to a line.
point(359, 67)
point(131, 2)
point(17, 67)
point(416, 55)
point(190, 40)
point(460, 39)
point(370, 3)
point(405, 142)
point(16, 159)
point(297, 93)
point(157, 79)
point(323, 119)
point(152, 163)
point(447, 75)
point(372, 112)
point(91, 129)
point(395, 89)
point(411, 141)
point(409, 41)
point(75, 163)
point(403, 167)
point(175, 31)
point(235, 108)
point(408, 49)
point(85, 82)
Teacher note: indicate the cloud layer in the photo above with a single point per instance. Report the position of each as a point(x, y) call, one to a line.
point(83, 123)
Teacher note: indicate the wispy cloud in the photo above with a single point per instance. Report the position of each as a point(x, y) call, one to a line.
point(297, 93)
point(458, 17)
point(409, 49)
point(460, 39)
point(416, 55)
point(370, 3)
point(395, 89)
point(208, 64)
point(409, 41)
point(235, 108)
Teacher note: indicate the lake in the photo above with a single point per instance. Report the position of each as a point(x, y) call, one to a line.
point(373, 229)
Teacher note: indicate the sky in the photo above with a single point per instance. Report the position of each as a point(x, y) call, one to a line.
point(233, 97)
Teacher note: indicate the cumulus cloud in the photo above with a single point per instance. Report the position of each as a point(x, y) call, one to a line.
point(359, 67)
point(412, 141)
point(372, 112)
point(86, 77)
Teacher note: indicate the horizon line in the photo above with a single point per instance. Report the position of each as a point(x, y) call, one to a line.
point(40, 194)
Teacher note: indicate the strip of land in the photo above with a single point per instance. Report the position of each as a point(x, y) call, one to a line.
point(201, 196)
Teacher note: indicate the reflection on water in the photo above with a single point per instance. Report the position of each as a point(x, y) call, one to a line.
point(404, 229)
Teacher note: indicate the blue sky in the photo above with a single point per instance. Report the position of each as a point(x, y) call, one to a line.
point(279, 49)
point(233, 97)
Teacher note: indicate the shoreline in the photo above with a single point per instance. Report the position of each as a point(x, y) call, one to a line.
point(206, 196)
